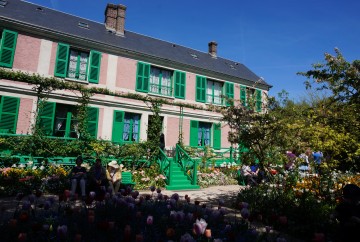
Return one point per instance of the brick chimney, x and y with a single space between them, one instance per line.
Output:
213 49
115 18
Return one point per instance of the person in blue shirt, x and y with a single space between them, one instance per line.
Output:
318 155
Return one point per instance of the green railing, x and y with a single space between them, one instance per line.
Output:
164 164
188 165
209 155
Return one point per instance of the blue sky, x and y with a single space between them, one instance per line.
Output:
275 39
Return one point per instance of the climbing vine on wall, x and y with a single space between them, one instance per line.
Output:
38 144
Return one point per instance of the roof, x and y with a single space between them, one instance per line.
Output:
49 19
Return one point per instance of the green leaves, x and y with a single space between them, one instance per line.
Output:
337 75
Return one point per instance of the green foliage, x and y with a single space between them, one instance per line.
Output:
29 178
147 177
303 212
216 177
257 134
337 75
45 85
154 127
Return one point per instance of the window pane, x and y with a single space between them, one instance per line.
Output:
154 80
209 92
126 131
217 92
72 64
83 64
135 127
166 83
204 134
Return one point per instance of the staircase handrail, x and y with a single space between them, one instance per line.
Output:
188 165
164 163
200 152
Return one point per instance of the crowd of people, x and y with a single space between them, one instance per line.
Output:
305 161
97 179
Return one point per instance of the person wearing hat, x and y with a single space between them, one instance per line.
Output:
114 175
78 176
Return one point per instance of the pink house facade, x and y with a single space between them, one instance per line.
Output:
108 56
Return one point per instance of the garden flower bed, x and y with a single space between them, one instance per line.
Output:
126 216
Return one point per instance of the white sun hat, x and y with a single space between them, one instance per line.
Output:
113 164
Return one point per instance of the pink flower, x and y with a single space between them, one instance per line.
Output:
150 220
92 194
199 226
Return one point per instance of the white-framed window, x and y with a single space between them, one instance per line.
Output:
160 81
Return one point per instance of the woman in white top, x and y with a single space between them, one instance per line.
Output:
114 176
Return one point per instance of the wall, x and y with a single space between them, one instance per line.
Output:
24 116
27 53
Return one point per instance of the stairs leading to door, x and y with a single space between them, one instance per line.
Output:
179 181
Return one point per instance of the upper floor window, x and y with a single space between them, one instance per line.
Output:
251 97
214 92
160 81
77 64
151 79
7 48
210 91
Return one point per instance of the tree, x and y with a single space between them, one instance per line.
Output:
337 75
259 133
340 111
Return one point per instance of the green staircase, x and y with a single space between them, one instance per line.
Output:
178 180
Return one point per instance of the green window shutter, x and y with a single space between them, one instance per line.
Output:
200 88
118 127
194 126
92 121
62 58
94 70
243 95
142 77
9 109
47 116
258 100
7 48
229 91
180 80
217 136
